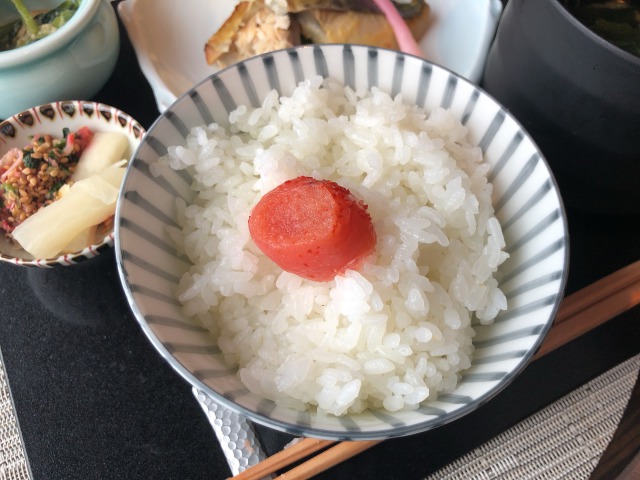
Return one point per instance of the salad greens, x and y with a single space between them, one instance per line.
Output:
31 27
617 21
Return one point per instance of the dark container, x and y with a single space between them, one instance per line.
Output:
578 96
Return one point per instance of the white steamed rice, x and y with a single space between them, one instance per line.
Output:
392 335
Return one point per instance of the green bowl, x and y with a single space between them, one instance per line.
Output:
73 62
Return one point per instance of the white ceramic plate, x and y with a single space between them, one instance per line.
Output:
169 38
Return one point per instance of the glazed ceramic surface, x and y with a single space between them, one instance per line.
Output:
169 38
73 62
526 201
579 98
51 118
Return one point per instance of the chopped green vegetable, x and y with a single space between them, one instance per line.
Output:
56 186
31 28
8 33
29 161
29 22
8 187
59 15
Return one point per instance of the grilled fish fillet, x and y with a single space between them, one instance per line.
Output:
251 29
331 26
260 26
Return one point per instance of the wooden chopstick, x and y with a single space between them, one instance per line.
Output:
598 291
592 306
579 313
297 451
335 455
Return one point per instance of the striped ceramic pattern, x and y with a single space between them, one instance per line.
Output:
526 200
51 118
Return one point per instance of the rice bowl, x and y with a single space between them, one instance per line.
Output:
159 209
391 335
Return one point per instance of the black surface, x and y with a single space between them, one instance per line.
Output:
95 400
577 95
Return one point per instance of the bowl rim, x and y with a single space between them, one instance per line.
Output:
318 431
54 41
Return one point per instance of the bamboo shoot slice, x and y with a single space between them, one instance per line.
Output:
89 202
83 239
105 149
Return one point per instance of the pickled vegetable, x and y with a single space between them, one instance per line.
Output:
105 149
89 202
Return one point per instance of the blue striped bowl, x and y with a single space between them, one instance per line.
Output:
526 200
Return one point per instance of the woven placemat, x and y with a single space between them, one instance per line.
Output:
564 440
13 460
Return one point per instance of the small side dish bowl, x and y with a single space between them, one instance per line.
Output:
73 62
525 199
52 118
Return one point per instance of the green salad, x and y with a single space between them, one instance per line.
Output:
617 21
32 26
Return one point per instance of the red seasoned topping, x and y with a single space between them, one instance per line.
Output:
313 228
